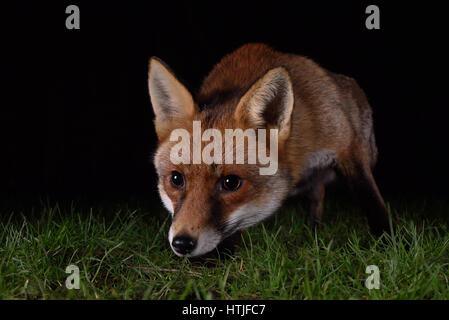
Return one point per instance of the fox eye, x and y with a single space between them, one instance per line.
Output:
232 182
177 180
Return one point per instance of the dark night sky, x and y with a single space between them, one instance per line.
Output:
75 115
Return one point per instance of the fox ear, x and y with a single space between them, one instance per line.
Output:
268 103
172 102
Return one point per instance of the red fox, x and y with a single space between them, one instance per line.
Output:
325 130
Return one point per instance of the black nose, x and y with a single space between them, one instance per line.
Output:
183 244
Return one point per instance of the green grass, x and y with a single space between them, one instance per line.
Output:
123 254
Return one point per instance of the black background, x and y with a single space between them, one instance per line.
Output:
75 116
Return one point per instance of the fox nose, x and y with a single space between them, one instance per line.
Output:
183 244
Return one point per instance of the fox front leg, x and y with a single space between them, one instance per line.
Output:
316 198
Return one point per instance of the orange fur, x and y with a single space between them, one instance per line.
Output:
328 130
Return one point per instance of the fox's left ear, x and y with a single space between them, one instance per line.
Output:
172 102
268 103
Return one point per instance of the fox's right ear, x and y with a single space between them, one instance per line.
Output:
172 102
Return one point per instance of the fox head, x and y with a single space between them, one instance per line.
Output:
209 202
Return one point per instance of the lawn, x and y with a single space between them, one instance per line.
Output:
122 253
